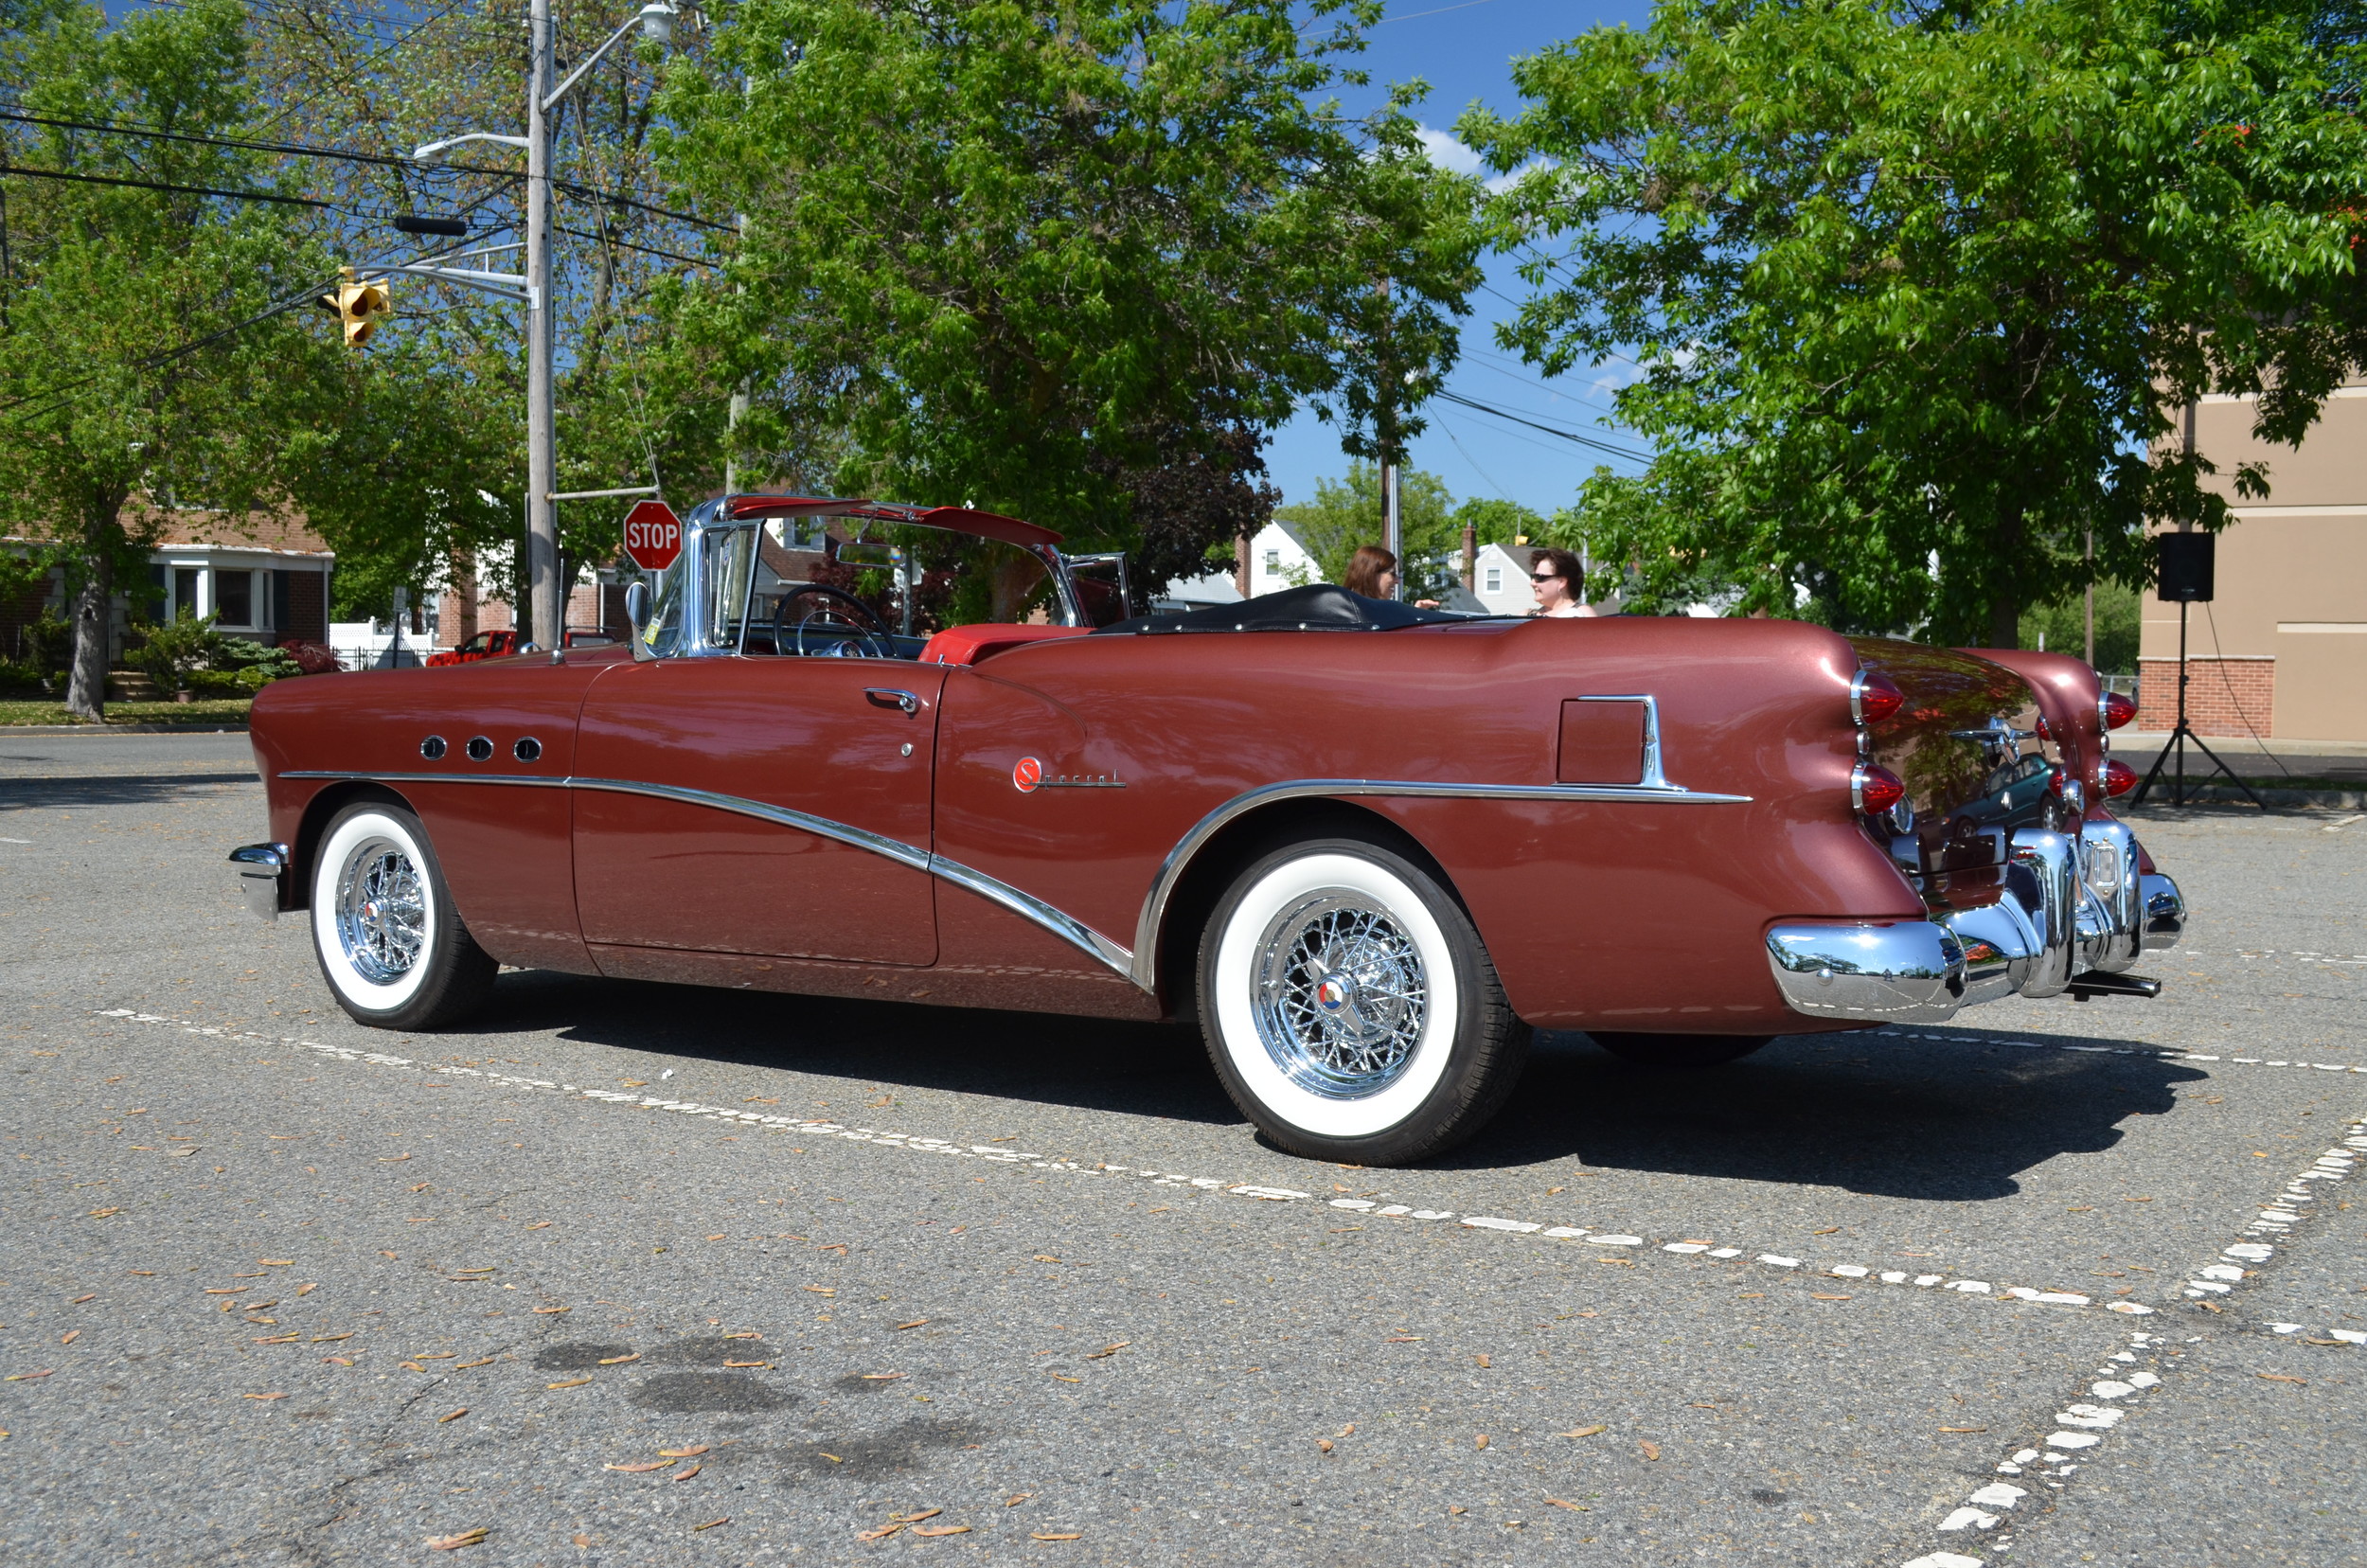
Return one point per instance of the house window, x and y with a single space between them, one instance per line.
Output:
185 591
234 597
1495 580
1273 563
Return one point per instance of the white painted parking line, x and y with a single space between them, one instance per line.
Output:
2082 1426
2282 1214
2153 1053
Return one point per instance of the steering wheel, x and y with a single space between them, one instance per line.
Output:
819 604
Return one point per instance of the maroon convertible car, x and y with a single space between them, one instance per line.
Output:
1368 847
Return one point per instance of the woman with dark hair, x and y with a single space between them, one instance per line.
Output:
1558 578
1374 573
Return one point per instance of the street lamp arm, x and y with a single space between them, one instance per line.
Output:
656 19
432 149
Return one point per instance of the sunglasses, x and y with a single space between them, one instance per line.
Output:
1546 576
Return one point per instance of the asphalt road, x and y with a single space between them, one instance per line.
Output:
275 1289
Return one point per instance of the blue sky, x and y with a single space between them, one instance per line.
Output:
1465 53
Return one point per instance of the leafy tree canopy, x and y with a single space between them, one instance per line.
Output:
1917 282
1033 258
1347 513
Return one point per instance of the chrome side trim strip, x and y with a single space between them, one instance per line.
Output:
1171 869
1026 905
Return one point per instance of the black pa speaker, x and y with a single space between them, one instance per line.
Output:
2185 564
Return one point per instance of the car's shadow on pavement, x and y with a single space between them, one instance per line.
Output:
111 789
1089 1064
1923 1119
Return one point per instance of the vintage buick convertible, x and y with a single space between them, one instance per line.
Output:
1368 847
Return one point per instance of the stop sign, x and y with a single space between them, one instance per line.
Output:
652 535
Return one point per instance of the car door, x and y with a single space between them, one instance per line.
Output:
769 805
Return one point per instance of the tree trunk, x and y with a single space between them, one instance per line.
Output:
2005 620
86 685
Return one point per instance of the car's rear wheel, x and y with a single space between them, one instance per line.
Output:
389 941
1350 1007
1676 1052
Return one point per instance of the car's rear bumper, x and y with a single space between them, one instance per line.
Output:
2060 908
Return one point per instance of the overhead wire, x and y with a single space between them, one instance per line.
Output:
1477 406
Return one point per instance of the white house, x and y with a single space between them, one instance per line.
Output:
1278 559
1499 579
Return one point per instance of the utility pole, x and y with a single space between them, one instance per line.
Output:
1392 529
545 613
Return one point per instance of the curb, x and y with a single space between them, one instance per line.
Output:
2224 794
193 727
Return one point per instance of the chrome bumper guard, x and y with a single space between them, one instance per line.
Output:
2069 907
262 871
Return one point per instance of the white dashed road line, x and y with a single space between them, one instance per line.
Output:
2152 1053
2082 1427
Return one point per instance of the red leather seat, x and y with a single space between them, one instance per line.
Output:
968 644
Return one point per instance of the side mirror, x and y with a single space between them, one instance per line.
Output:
637 604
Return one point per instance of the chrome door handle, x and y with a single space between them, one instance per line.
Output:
890 698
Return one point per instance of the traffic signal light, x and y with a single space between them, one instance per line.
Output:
358 305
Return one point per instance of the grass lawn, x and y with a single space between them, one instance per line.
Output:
212 711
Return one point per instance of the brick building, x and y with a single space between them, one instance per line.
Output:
265 577
2281 651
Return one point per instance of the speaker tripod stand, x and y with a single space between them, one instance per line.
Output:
2180 736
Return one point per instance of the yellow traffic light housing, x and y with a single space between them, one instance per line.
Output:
358 305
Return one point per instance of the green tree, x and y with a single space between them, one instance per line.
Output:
1494 521
2062 627
132 378
1040 260
1347 513
1930 283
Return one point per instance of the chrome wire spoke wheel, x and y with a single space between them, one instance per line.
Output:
1342 994
381 911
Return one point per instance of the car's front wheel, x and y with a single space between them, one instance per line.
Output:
389 940
1350 1007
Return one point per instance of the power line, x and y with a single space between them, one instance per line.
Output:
158 185
1477 406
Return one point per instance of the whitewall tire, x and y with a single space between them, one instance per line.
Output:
1350 1007
391 943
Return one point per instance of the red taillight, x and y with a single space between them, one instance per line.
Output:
1875 790
2116 710
2044 733
1873 698
2119 778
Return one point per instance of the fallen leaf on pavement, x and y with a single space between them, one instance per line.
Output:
28 1376
715 1238
747 1363
104 1213
881 1534
1046 1258
573 1383
547 1310
463 1366
2279 1377
1016 1499
1108 1350
1484 1362
710 1524
1480 1441
1827 1295
1072 1536
1827 1230
882 1377
685 1472
69 1336
1062 1377
685 1453
819 1289
1323 1443
582 1541
916 1517
454 1416
1964 1429
831 1457
1458 1509
743 1333
338 1361
1577 1507
453 1543
280 1339
276 1262
225 1289
619 1361
941 1530
542 1226
79 1299
392 1159
1582 1432
262 1396
637 1469
1404 1339
1652 1451
308 1289
1345 1430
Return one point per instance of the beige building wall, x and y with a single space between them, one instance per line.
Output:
2282 649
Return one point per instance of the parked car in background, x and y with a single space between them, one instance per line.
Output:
1287 819
485 645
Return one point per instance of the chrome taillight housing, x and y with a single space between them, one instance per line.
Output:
1873 789
1874 697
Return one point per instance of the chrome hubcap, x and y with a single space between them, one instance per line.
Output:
381 912
1340 995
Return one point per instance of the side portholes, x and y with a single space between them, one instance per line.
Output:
317 812
1220 860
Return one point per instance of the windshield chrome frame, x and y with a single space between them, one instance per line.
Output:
708 526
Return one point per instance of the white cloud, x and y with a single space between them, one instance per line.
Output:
1447 151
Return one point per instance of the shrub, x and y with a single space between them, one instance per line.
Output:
21 679
311 658
173 652
254 664
47 647
220 683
